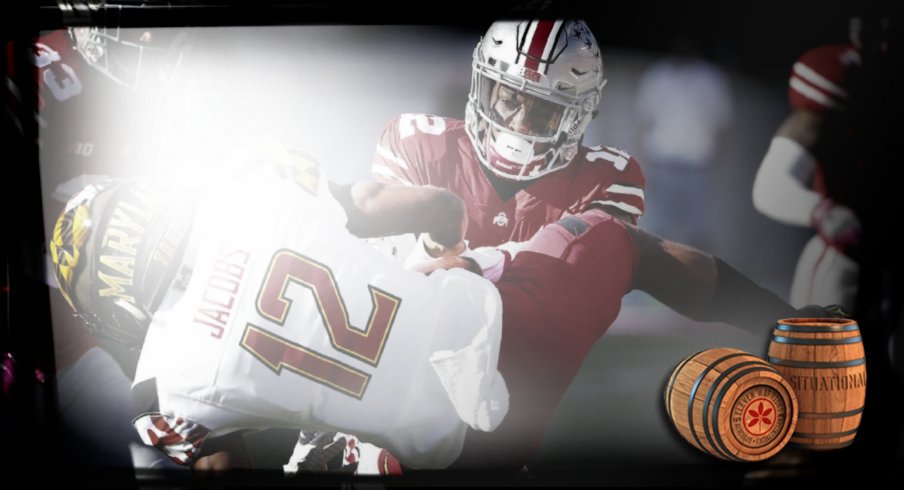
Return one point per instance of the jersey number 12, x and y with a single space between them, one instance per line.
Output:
363 344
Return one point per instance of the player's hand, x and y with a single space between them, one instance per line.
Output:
428 255
817 311
324 454
838 225
434 249
447 232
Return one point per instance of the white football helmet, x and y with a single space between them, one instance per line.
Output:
534 88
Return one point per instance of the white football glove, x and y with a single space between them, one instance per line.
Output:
319 452
336 452
837 224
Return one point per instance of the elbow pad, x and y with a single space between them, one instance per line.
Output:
781 187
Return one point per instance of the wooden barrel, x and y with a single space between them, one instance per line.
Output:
823 360
731 404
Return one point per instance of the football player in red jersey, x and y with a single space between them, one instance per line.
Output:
833 167
519 162
812 174
518 158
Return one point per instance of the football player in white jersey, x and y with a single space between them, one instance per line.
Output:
257 308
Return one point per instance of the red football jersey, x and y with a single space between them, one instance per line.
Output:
58 68
421 149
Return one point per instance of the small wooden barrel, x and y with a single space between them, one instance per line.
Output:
731 404
823 360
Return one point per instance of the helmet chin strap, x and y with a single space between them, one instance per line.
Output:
137 317
138 313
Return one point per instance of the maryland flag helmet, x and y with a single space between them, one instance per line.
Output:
116 249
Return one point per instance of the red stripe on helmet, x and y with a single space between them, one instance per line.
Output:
538 44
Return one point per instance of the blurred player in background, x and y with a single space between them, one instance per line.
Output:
684 108
814 172
833 166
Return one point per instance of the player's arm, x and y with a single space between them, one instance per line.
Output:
781 189
817 92
380 209
706 288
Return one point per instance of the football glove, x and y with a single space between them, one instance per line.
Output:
335 452
837 225
319 452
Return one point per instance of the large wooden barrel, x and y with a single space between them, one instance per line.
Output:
823 360
731 404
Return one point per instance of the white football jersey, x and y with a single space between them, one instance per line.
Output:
290 321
